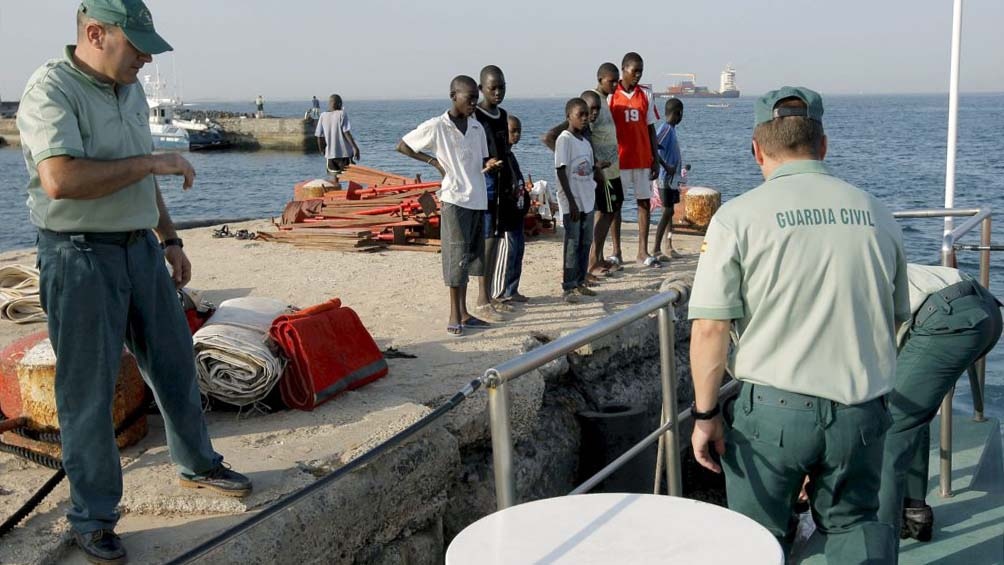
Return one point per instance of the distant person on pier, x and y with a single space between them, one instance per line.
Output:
315 107
105 245
498 182
259 104
455 144
634 114
513 206
334 137
668 155
609 193
955 322
812 273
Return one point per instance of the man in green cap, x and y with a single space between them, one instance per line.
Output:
812 273
104 234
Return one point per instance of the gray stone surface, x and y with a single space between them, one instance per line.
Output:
411 500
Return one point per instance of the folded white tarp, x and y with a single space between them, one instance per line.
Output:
236 361
19 301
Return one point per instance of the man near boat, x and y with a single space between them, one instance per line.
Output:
334 137
815 308
99 214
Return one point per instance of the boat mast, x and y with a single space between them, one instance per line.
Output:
953 112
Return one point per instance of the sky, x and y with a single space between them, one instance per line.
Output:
381 49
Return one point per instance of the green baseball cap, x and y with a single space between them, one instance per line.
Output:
764 110
135 20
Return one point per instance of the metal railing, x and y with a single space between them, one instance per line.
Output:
497 380
976 217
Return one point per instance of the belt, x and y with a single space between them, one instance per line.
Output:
938 301
778 398
121 238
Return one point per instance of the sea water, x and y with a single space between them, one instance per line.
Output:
893 146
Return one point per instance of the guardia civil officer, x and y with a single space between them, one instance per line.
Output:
955 322
811 271
103 237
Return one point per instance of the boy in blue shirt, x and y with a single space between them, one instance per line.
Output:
669 161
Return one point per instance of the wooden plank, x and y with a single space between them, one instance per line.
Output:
423 248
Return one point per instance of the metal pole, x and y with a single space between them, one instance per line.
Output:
501 430
945 448
659 459
667 365
953 111
981 365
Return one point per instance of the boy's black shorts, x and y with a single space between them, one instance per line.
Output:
669 195
610 197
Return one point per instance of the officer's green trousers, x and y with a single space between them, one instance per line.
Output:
938 349
777 438
101 291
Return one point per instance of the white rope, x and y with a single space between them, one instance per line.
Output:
19 301
236 361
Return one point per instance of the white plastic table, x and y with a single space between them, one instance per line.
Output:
594 529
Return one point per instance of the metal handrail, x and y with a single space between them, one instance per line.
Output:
496 380
977 217
218 541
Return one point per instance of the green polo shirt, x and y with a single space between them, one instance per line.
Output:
65 111
813 272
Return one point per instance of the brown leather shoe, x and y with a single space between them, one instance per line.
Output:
222 480
102 547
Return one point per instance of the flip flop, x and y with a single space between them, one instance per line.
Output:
475 323
652 262
614 263
455 330
662 258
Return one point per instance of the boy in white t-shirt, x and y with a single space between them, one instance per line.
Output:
455 144
573 161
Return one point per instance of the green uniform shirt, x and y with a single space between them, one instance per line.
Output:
924 281
65 111
812 269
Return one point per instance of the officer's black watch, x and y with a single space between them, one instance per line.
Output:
704 415
172 241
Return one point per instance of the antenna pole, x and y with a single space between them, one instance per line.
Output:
953 112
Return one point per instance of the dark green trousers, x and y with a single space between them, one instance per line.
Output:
777 438
941 344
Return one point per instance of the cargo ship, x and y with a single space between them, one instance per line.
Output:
689 88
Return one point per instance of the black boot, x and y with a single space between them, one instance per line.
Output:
918 523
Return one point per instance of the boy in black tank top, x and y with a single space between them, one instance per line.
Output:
496 123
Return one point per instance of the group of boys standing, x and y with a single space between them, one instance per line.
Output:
608 145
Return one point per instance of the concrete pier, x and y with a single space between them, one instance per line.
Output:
8 133
406 505
278 134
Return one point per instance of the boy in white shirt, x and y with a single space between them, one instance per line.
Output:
459 151
574 164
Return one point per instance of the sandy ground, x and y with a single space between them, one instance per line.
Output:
400 298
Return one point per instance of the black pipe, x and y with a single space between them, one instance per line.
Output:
224 536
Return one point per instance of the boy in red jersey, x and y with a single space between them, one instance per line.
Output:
634 117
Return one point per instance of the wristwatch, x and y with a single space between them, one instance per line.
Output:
698 415
171 241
